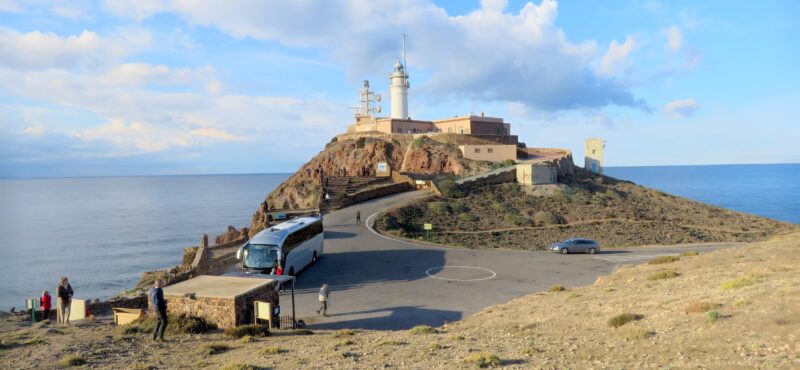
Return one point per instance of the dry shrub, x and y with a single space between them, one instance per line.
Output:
700 307
252 330
741 282
240 367
270 351
663 259
344 333
556 288
484 359
209 349
638 333
690 253
623 319
422 329
393 342
665 274
70 361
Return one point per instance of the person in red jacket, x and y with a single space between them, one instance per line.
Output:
46 302
279 270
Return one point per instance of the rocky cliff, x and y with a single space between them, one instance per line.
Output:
357 155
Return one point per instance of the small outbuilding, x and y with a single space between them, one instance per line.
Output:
536 174
223 300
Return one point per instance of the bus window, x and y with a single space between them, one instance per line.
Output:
261 256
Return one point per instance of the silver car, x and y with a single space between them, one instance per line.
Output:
576 245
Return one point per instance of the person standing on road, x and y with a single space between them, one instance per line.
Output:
358 217
160 304
64 300
323 300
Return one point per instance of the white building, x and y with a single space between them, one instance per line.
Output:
399 91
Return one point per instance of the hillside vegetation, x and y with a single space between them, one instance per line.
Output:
614 212
733 308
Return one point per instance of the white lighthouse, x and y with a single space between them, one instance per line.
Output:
399 87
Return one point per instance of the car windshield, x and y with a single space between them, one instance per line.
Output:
261 256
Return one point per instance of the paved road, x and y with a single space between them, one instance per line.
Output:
382 283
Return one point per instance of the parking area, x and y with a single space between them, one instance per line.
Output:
381 283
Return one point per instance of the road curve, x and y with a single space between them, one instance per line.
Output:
382 283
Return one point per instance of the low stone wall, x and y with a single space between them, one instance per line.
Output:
509 175
104 307
377 192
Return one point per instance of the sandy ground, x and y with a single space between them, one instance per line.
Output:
755 289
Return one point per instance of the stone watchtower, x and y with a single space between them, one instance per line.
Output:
593 153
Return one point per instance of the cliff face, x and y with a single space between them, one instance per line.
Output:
354 155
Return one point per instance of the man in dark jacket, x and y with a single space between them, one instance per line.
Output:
160 305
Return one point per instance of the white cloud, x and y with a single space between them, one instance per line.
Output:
142 73
674 38
34 130
488 54
682 108
34 50
138 9
616 58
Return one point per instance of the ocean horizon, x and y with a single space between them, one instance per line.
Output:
104 231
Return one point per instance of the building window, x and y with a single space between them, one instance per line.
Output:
489 150
593 151
477 150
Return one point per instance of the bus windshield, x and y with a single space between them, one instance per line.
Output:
261 256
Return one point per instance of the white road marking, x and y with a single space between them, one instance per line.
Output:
441 268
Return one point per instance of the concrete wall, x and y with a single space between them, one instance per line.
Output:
398 126
376 192
489 152
534 174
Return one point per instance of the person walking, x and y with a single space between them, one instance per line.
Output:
323 300
65 293
160 305
327 198
46 302
358 217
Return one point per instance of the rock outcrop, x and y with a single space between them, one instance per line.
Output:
357 155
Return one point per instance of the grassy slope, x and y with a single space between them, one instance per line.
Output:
756 286
617 213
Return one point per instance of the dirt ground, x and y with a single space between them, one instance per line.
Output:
614 212
736 308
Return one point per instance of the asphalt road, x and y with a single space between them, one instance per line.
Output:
382 283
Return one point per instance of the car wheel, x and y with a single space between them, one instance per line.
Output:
592 251
564 251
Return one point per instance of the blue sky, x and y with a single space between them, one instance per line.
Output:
95 88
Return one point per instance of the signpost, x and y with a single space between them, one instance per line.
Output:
428 228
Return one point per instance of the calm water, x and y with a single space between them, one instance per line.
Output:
104 232
769 190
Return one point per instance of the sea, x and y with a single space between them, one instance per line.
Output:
103 232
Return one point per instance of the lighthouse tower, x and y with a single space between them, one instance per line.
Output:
399 87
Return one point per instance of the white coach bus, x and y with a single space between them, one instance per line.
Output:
293 245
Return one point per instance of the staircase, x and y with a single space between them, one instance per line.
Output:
338 188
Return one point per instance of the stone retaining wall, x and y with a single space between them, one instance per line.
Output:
224 312
377 192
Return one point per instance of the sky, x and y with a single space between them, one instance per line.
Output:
155 87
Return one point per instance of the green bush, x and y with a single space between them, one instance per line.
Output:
508 162
271 351
500 207
623 319
252 330
545 218
598 201
557 288
360 142
517 220
509 187
459 208
713 316
450 189
483 360
741 282
467 217
240 367
335 139
188 256
418 142
439 208
70 361
388 222
562 196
